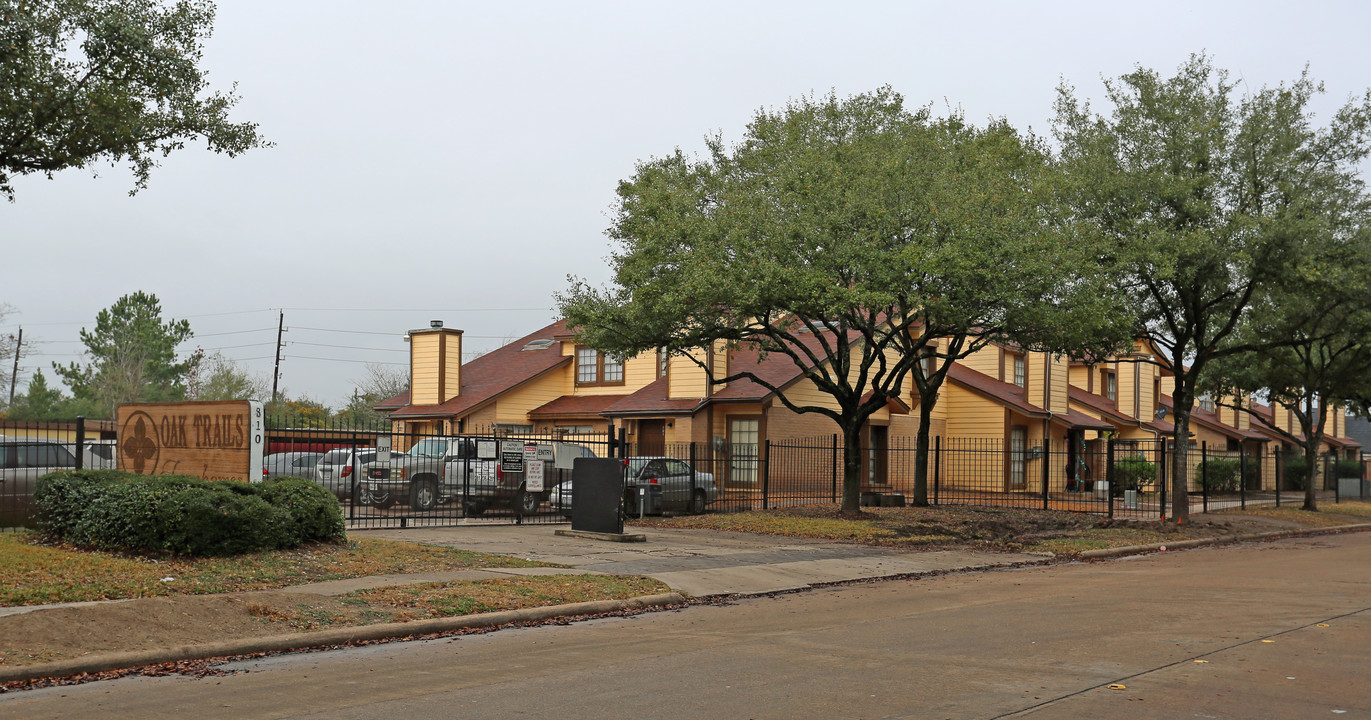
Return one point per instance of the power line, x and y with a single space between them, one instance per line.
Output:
230 347
347 347
231 332
365 362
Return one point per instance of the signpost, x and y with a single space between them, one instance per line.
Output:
511 456
211 440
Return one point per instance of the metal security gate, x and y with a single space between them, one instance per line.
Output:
387 479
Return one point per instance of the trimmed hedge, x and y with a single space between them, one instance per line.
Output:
1222 473
183 515
1132 472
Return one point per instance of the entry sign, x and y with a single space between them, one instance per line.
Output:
533 477
511 456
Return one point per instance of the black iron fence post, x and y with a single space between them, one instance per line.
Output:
1109 476
937 466
1279 476
833 470
356 481
1204 473
1162 466
694 481
1047 467
766 472
1242 476
81 443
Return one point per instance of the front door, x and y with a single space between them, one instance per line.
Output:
651 437
1018 457
876 454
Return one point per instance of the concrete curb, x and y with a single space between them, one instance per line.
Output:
1201 542
324 638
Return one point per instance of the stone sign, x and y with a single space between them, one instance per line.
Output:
212 440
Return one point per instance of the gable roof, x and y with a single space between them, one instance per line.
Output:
495 373
1011 395
1210 419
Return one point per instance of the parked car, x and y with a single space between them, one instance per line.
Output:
682 488
294 464
22 461
338 471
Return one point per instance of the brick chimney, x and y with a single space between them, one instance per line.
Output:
435 364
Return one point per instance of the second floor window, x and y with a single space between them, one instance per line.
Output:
1111 386
1207 402
1019 371
595 368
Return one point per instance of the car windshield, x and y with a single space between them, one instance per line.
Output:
635 465
429 448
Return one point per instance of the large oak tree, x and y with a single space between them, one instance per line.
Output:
1206 196
864 242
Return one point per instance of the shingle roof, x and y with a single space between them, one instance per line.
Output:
1210 419
652 400
496 372
576 405
1013 396
1098 403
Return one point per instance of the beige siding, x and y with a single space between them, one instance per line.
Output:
1080 376
986 360
1061 377
452 383
971 416
685 379
423 368
514 406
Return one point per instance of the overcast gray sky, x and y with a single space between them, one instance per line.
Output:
455 160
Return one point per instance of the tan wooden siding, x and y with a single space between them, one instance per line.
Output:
971 416
986 360
424 369
513 406
685 379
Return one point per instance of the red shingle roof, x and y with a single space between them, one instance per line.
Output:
652 400
576 405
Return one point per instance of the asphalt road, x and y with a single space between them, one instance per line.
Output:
1283 630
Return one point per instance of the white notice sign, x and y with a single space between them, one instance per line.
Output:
533 477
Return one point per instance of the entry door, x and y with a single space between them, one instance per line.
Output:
876 454
1018 456
651 437
742 456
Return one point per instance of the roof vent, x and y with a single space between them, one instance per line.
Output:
435 324
539 344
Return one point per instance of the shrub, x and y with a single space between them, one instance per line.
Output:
1348 468
1295 474
183 515
1221 474
1132 473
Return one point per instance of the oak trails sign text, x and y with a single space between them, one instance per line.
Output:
212 440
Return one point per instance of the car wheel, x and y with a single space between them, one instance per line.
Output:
383 500
698 501
423 495
527 503
475 509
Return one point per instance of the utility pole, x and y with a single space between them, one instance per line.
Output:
276 372
14 376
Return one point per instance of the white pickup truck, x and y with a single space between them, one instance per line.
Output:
463 469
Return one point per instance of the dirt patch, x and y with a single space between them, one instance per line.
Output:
155 623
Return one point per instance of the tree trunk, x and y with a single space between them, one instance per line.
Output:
1180 458
921 450
852 470
1311 456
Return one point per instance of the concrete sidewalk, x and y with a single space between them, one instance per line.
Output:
702 563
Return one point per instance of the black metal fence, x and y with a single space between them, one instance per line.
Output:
392 479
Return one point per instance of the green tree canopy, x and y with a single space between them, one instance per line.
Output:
846 235
85 80
132 356
1204 199
1322 307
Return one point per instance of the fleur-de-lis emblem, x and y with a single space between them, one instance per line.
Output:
140 447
